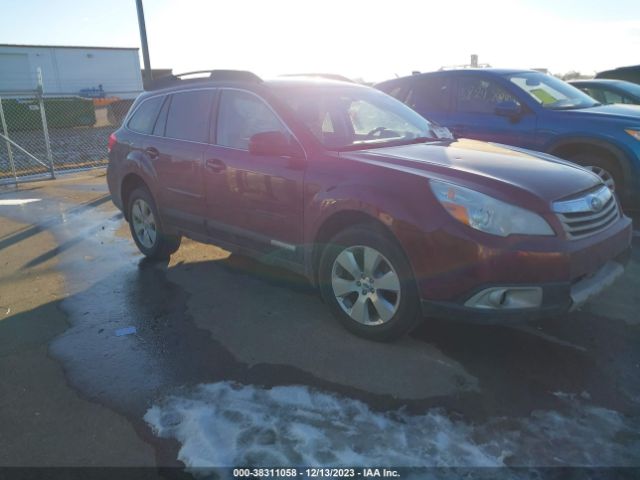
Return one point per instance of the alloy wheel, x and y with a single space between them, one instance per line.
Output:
366 285
144 223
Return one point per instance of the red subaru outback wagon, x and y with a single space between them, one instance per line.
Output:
391 217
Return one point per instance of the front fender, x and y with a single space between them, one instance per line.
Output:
389 207
403 207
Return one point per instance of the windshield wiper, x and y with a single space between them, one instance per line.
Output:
424 139
389 143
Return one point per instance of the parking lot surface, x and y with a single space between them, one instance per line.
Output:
108 359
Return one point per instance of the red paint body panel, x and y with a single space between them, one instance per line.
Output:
285 201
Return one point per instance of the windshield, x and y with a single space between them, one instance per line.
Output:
349 117
551 92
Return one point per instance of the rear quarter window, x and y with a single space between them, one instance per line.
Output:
144 117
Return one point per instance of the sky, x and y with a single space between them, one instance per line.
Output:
373 40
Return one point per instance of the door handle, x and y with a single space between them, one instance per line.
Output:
215 165
152 152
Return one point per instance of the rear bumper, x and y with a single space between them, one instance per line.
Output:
112 183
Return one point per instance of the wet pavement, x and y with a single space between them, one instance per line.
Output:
71 278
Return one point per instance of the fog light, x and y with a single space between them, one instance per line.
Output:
499 298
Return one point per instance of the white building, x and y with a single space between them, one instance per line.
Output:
68 70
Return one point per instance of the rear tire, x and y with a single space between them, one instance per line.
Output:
146 230
368 284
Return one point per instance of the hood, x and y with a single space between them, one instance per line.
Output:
615 111
487 164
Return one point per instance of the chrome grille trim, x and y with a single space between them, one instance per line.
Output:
581 217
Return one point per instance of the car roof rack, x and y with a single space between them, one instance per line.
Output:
479 66
327 76
214 76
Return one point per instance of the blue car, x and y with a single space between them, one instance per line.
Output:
535 111
607 91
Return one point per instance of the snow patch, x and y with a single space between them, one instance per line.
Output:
10 202
227 424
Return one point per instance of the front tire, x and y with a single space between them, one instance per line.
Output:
146 230
368 283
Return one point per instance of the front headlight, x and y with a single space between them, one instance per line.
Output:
486 213
634 133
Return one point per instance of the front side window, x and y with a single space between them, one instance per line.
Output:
144 118
241 115
551 92
190 115
478 95
351 117
614 97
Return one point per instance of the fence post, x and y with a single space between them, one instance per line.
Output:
9 151
45 129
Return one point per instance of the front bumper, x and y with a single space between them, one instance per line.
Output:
556 281
557 298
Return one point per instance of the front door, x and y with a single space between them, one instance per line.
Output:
254 200
474 114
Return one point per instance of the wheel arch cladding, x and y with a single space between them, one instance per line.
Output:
130 182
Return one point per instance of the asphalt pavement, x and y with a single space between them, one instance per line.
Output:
75 383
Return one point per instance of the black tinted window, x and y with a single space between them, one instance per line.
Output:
242 115
189 115
477 95
595 92
397 91
145 115
430 94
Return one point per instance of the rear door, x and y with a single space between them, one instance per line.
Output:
430 96
473 115
180 140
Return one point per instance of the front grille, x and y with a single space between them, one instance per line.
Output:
588 214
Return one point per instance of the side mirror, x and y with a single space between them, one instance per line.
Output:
275 144
508 108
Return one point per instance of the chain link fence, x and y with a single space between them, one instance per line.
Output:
42 134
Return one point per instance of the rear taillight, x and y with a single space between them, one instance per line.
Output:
112 141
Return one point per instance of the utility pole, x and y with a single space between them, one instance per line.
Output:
148 77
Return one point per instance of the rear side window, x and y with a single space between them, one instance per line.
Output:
478 95
431 94
190 115
144 118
